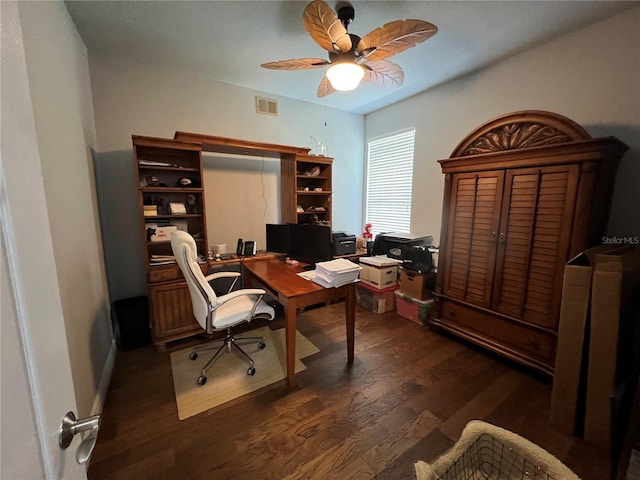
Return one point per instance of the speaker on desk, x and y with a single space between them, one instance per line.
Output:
132 315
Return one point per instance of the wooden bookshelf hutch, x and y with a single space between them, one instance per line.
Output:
306 189
160 164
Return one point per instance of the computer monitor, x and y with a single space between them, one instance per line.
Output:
277 238
309 243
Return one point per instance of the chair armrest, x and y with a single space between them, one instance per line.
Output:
215 276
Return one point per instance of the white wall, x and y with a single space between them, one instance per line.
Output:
130 98
58 72
591 76
243 194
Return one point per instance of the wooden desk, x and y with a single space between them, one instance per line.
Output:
293 292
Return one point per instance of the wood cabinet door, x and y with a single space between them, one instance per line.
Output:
171 313
535 230
474 218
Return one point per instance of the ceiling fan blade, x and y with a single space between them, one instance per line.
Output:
395 37
325 28
325 88
383 72
296 64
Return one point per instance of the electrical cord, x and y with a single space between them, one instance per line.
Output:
264 213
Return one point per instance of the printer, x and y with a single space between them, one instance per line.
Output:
343 244
413 249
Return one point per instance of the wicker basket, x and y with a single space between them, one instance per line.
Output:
486 452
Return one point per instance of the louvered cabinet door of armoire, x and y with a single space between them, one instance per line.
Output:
535 233
473 224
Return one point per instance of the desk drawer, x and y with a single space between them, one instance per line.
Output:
528 341
168 273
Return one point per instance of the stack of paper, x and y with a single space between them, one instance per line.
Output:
336 273
162 259
151 163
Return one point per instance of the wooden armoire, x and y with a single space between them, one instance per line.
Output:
524 193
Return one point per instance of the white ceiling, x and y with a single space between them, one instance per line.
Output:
228 40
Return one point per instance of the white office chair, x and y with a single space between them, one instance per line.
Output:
215 313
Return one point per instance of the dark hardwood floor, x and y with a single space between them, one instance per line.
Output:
407 397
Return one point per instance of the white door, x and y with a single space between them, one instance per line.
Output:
38 354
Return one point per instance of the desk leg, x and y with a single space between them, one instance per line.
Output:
350 317
291 313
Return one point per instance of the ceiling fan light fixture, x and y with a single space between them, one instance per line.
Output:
345 76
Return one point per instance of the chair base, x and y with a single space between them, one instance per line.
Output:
230 343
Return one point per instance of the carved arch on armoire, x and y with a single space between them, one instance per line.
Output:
524 129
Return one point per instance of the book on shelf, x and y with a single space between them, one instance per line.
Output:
150 210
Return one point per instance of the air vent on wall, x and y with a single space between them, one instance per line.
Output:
266 106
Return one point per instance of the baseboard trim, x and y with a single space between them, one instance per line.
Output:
105 379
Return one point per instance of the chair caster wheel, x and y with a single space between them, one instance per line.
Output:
251 371
261 345
193 356
202 380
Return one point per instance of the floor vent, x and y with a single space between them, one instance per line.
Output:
266 106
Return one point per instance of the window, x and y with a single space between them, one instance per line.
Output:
389 180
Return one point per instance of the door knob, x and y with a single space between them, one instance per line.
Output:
70 426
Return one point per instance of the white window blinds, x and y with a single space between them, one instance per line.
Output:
389 180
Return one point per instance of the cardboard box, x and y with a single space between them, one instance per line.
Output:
379 272
414 284
374 299
413 309
162 233
614 297
569 380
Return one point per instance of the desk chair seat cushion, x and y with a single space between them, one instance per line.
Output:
235 311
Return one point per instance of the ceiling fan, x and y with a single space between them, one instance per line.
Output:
351 58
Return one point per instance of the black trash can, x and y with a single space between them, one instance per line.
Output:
132 315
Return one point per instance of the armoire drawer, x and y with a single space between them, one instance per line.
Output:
529 341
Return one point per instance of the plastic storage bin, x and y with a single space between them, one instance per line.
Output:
413 309
374 299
